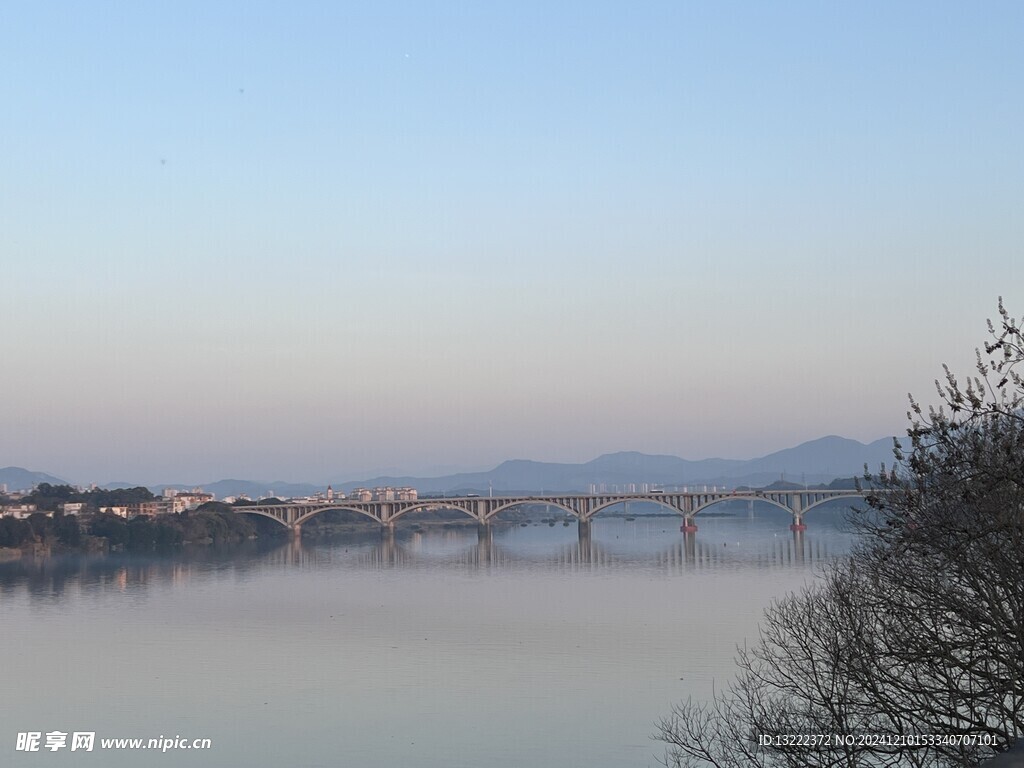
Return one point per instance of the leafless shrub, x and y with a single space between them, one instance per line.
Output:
921 631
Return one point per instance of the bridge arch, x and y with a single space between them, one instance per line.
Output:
659 502
314 512
261 513
723 499
820 502
524 502
428 504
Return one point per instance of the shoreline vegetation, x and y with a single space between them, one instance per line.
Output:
40 534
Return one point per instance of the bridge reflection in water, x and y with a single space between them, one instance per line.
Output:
501 547
608 544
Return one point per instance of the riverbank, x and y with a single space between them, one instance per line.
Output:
41 534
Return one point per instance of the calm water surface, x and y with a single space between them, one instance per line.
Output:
444 647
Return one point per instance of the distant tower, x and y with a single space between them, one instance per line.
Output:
330 493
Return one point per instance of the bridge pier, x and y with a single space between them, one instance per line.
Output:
295 531
585 534
295 543
484 544
798 513
585 544
689 548
798 543
688 526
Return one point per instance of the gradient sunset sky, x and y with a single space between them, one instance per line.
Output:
308 241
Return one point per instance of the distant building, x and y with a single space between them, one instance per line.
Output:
194 498
72 507
384 494
150 508
18 511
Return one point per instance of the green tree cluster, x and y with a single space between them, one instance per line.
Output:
210 523
49 498
14 532
213 522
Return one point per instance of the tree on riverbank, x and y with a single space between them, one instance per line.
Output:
920 633
212 523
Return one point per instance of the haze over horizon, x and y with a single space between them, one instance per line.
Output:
249 240
435 471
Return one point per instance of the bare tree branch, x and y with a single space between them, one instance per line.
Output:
921 630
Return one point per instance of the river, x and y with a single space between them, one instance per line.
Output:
440 647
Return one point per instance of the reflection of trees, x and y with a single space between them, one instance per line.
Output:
55 577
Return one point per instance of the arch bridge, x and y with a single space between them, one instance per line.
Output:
581 506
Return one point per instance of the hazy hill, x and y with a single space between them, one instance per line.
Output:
832 455
18 479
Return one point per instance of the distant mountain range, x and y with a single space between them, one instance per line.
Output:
817 461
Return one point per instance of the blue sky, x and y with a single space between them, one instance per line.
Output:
315 240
